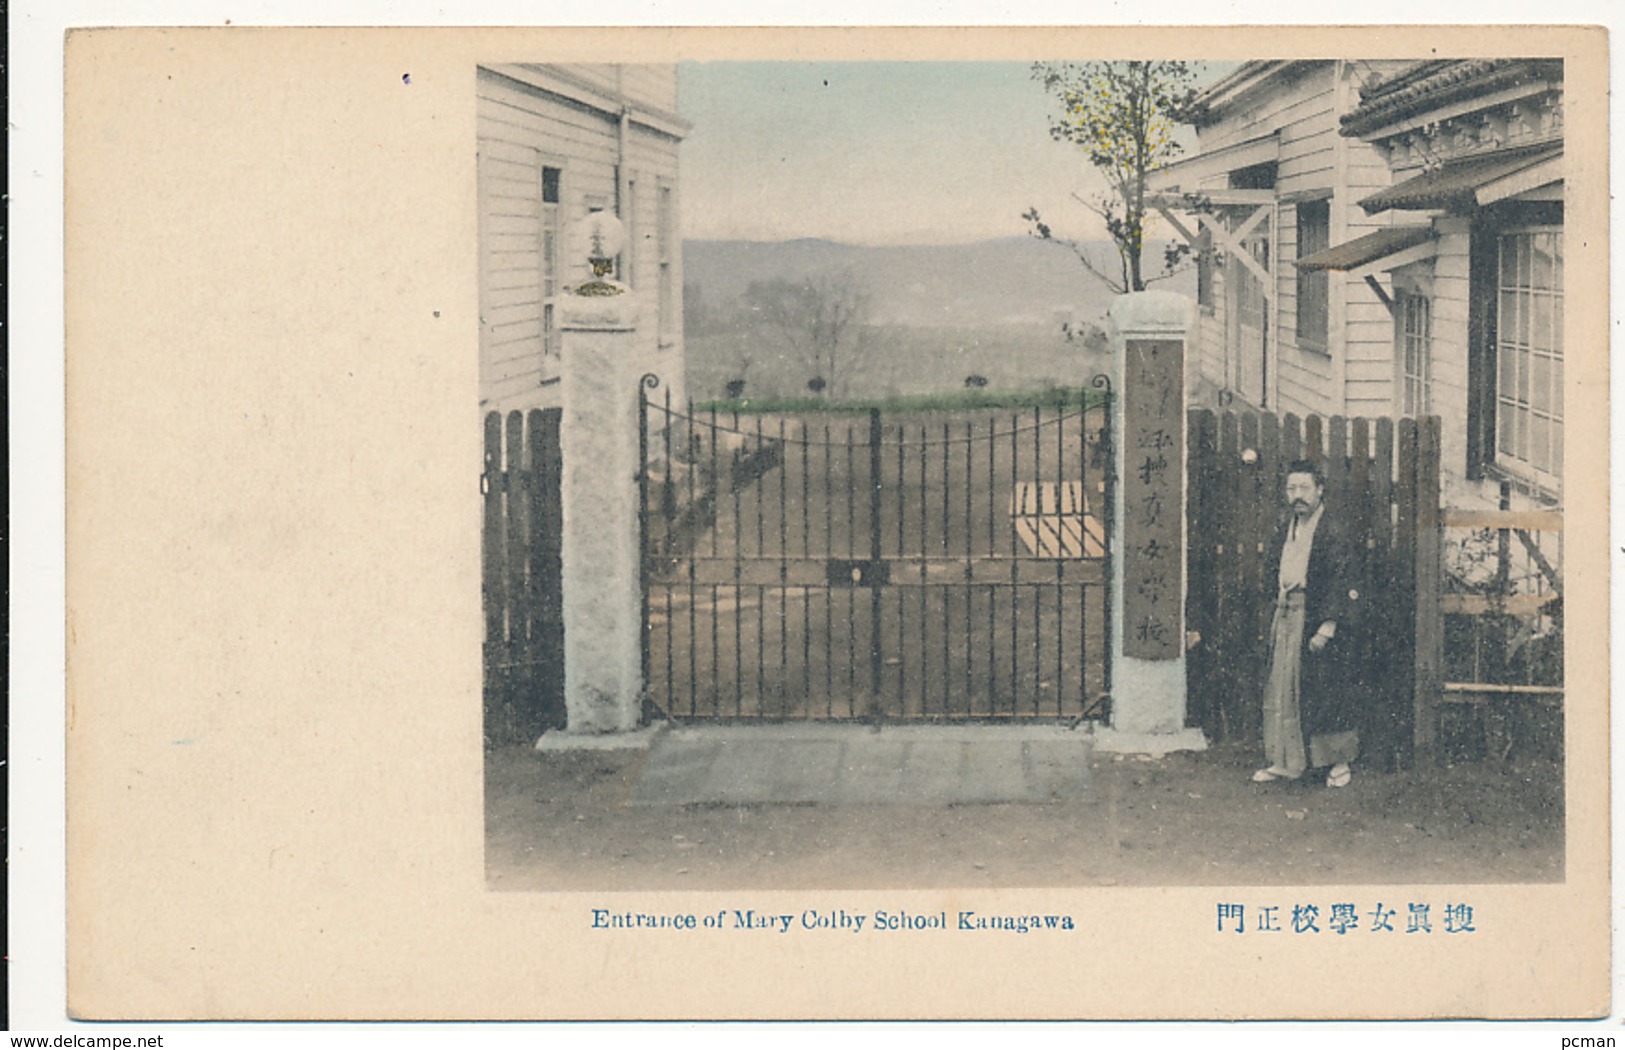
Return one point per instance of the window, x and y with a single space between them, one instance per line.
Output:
1529 355
1314 235
666 232
629 218
1414 318
551 221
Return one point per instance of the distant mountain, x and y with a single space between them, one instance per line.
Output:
1008 281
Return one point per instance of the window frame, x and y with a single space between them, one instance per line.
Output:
667 302
1513 454
1313 285
1412 305
551 231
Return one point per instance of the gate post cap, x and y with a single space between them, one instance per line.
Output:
1151 314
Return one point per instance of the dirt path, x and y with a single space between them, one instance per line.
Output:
559 821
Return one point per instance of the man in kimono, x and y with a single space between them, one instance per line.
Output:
1311 695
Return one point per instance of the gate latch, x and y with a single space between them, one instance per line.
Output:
843 572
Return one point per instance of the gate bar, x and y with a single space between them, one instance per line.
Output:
874 558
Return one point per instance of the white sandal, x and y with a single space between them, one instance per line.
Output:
1340 776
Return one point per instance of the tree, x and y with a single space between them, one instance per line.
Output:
1123 116
821 316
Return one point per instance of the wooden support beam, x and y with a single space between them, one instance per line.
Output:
1485 604
1533 520
1168 216
1216 198
1230 241
1546 568
1506 690
1382 293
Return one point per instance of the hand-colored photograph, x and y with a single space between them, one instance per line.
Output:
997 473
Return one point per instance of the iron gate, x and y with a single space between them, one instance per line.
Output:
919 566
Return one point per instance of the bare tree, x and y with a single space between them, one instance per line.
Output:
821 316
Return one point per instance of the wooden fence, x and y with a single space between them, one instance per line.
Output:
524 623
1382 479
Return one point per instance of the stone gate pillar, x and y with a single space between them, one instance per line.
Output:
1149 332
598 442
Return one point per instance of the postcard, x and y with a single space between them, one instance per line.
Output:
1044 523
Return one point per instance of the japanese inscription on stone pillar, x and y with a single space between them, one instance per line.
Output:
1153 494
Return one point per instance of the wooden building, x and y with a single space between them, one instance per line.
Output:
555 143
1384 238
1273 181
1472 268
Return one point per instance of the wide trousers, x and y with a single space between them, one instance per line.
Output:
1284 745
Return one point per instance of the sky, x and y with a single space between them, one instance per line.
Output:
876 152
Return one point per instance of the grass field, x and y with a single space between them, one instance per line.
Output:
953 401
891 362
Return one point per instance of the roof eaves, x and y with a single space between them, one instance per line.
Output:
1227 91
1440 85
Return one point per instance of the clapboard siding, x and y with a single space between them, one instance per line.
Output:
522 129
510 179
1292 393
1365 309
1371 370
1269 106
1450 350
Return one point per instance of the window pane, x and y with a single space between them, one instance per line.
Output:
1508 323
1509 261
1525 259
1540 335
1557 261
1540 383
1503 428
1523 319
1557 447
1539 441
1540 250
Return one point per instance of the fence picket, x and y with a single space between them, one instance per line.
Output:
1429 620
491 540
1201 561
520 567
1402 638
1337 463
1256 511
1386 494
517 538
1230 650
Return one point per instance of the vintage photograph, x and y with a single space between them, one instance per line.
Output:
1022 473
868 523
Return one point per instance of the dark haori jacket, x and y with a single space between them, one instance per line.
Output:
1331 695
